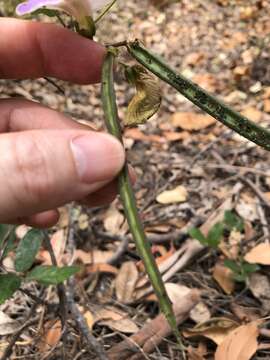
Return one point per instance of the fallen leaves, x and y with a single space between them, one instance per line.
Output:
7 324
224 278
192 121
215 329
260 254
177 195
240 344
125 282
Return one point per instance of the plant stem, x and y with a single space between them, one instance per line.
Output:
200 97
129 202
104 12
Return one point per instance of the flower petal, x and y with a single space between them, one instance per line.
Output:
99 4
31 5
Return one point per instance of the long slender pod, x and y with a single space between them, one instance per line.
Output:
200 97
128 198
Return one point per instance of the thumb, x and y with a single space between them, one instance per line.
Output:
44 169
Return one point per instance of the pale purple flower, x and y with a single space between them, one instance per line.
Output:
81 10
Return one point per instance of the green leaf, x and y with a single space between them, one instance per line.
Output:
52 275
215 234
240 277
9 283
250 268
233 221
196 233
232 265
28 249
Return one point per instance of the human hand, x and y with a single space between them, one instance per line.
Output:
48 160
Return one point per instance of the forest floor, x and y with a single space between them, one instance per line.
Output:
224 46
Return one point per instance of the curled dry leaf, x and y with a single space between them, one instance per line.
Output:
125 282
240 344
147 100
177 195
192 121
216 329
260 254
223 277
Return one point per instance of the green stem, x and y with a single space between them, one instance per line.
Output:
200 97
129 202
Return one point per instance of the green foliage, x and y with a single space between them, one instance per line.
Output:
25 256
52 275
230 222
241 270
28 249
213 237
9 283
233 222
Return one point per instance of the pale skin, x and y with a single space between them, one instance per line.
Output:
47 159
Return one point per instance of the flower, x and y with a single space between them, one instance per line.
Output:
81 10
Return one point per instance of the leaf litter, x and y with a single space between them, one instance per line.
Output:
179 147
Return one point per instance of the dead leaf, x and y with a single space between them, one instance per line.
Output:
51 336
240 344
7 324
113 220
259 285
260 254
58 242
266 105
252 113
216 329
89 318
83 222
125 282
192 121
223 277
94 257
100 268
200 313
116 319
177 195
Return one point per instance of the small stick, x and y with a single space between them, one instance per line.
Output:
61 287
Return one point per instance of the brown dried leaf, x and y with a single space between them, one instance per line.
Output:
94 257
125 282
52 335
223 277
116 319
177 195
113 220
240 344
216 329
260 254
192 121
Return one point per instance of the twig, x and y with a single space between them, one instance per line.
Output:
60 287
52 82
91 342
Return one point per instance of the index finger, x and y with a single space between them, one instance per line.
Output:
31 50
